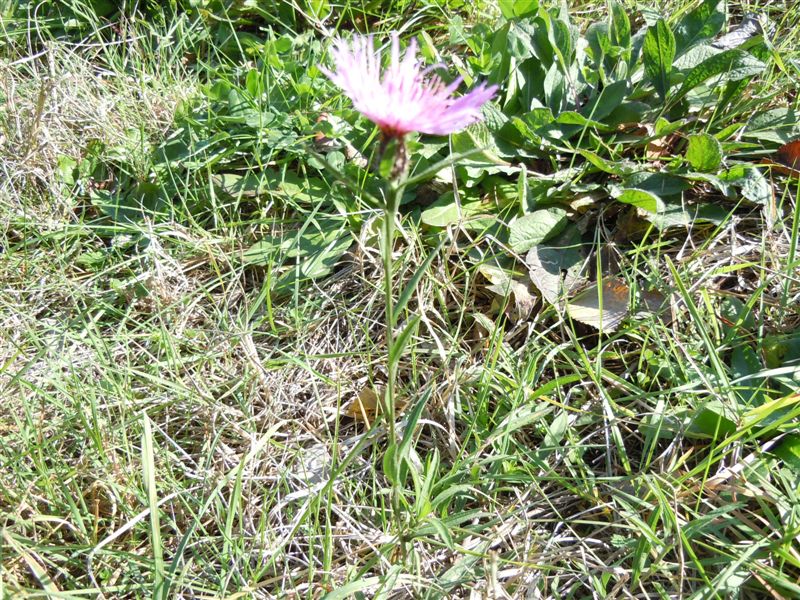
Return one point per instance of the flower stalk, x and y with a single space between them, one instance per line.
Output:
400 99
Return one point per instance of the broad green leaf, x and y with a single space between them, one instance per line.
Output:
314 265
519 41
675 214
529 123
620 27
779 125
704 152
628 112
484 157
614 168
313 253
745 362
556 430
571 117
543 46
660 184
789 451
512 9
266 250
659 52
143 200
599 42
756 188
715 420
536 227
607 101
639 198
555 88
67 169
733 65
320 9
286 185
445 211
561 41
693 57
703 23
750 181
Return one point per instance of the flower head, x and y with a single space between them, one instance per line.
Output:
404 100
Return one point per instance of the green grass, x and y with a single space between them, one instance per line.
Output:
190 305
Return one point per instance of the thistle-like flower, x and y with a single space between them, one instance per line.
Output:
404 100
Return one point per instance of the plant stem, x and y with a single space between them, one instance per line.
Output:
394 191
388 239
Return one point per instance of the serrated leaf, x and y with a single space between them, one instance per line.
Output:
704 152
659 52
535 228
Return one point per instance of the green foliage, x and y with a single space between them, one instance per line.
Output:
658 54
704 152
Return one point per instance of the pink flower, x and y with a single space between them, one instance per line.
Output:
404 100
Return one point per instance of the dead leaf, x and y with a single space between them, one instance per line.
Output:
786 160
638 129
630 226
661 147
504 286
789 159
789 154
585 307
313 466
366 407
523 301
581 203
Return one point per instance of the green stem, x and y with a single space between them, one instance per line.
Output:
394 191
388 239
